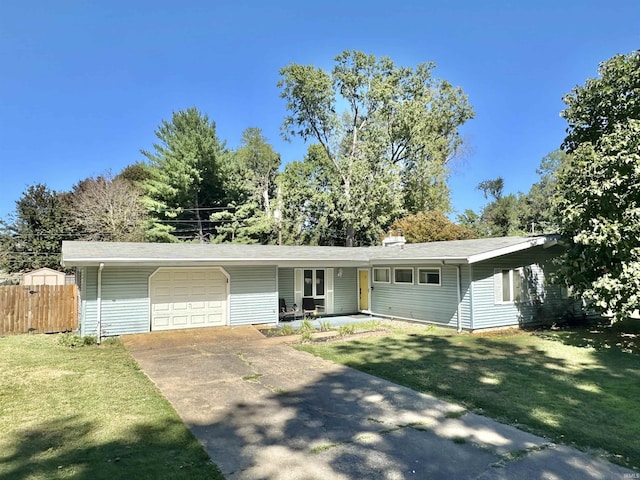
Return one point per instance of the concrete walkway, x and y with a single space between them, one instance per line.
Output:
265 411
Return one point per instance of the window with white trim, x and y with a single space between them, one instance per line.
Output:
429 276
507 285
381 275
313 282
403 276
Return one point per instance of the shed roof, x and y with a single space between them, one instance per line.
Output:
43 270
80 253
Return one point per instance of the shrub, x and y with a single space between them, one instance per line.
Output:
73 340
346 330
305 335
306 326
325 325
286 330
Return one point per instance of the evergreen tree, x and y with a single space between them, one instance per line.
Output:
184 184
250 183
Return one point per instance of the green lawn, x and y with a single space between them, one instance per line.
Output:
577 386
88 413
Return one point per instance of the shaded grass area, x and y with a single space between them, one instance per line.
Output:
88 413
552 383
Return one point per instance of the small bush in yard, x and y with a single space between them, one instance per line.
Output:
346 330
306 326
286 330
73 340
305 336
325 325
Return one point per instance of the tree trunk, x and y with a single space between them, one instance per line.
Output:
267 203
350 235
200 232
350 229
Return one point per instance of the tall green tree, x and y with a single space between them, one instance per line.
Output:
184 183
598 194
32 237
492 188
388 147
250 183
540 216
504 215
597 107
309 214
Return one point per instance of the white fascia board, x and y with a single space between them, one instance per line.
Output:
322 263
518 247
419 261
552 242
191 262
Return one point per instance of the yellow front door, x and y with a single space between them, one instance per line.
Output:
363 277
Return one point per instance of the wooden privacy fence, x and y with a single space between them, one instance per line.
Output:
38 309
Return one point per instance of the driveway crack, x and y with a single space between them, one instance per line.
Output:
256 375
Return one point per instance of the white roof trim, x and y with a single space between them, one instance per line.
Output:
418 261
459 253
281 262
526 244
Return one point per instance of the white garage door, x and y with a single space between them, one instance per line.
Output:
188 298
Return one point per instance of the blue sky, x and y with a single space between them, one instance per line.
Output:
84 84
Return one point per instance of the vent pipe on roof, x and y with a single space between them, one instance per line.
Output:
394 240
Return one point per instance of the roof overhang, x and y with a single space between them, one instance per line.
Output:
300 257
199 262
525 245
418 261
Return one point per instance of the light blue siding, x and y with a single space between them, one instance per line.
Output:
428 303
254 294
345 290
286 286
541 301
465 296
125 298
88 294
125 301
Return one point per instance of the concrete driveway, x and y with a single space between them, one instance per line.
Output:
265 411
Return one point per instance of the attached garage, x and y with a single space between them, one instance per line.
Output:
188 298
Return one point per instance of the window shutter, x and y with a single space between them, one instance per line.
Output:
298 286
517 285
497 286
328 301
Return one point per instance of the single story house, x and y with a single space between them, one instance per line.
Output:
467 284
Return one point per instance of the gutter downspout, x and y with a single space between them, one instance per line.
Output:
459 292
99 304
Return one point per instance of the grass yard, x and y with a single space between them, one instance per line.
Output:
578 386
88 413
